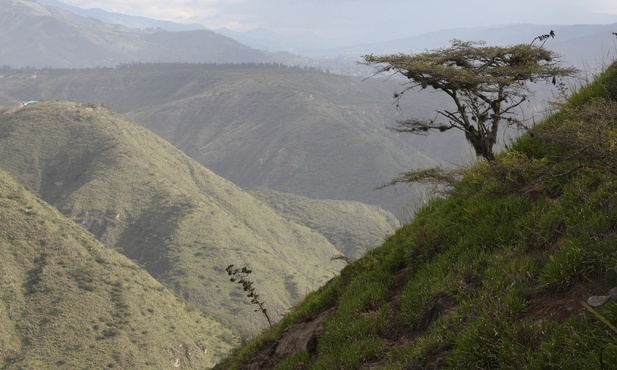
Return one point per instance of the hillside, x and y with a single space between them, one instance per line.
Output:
293 130
152 203
495 275
67 301
353 228
42 35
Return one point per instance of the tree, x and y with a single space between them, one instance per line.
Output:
486 83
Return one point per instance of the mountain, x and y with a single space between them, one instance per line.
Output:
500 273
589 47
353 228
294 130
265 39
67 301
41 35
580 45
149 201
126 20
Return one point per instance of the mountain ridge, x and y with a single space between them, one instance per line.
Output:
68 301
146 199
124 19
263 125
41 35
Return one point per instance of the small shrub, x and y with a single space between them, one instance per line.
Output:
241 277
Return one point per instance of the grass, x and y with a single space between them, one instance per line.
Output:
493 275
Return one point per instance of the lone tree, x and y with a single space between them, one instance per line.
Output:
486 84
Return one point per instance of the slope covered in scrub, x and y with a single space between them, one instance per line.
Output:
178 220
352 227
67 301
494 275
289 129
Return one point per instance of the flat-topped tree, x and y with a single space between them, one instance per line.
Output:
486 84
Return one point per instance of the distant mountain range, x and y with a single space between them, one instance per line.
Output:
51 33
129 21
42 35
580 45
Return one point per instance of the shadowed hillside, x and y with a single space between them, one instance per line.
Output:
67 301
495 275
152 203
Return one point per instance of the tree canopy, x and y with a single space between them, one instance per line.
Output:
486 83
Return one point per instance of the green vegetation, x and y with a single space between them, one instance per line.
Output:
495 275
67 301
288 129
353 228
149 201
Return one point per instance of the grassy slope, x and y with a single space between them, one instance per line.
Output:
67 301
181 222
494 276
352 227
293 130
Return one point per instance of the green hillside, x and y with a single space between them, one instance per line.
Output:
293 130
152 203
495 275
68 302
353 228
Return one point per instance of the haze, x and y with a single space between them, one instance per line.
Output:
349 22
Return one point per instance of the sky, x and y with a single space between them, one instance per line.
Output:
365 20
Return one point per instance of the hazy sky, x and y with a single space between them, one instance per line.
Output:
373 20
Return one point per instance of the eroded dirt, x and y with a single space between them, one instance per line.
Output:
297 337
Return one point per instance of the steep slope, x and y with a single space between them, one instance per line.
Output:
293 130
496 275
67 301
353 228
152 203
41 35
